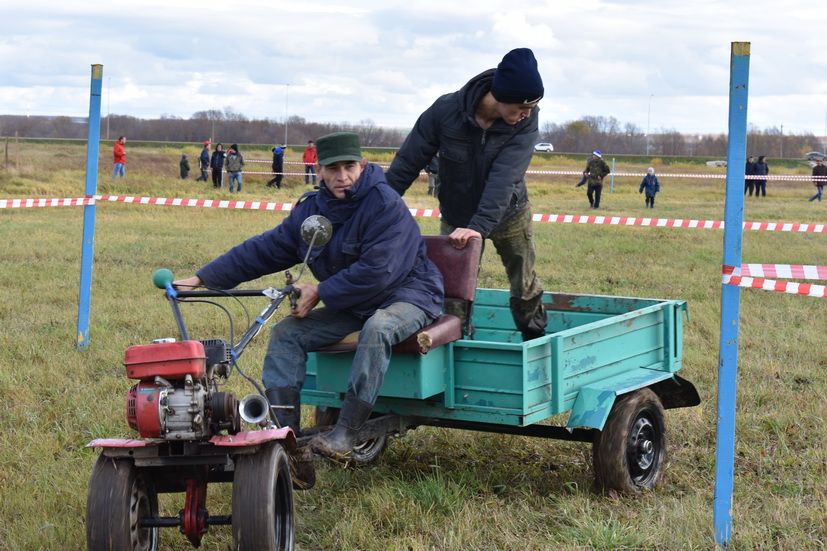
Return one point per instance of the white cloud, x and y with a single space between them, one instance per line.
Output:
387 61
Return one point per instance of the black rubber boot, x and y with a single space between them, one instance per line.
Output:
338 443
288 407
529 316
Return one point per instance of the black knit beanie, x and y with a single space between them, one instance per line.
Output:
517 79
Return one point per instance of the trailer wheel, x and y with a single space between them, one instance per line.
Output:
364 453
119 497
629 454
263 500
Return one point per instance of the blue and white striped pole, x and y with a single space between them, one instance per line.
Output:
731 294
88 244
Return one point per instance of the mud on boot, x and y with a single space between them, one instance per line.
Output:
338 443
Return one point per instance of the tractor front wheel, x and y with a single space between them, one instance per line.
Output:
263 500
119 498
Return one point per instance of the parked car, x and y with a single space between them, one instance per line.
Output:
544 147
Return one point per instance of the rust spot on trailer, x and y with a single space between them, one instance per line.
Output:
561 301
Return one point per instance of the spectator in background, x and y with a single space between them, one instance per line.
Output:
485 135
278 166
234 163
120 158
651 186
184 165
596 170
204 162
217 165
749 170
819 179
309 158
761 169
432 168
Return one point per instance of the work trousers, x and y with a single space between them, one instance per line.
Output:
285 363
593 192
514 241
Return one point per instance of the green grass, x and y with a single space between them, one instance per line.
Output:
433 488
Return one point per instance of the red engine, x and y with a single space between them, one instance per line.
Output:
176 398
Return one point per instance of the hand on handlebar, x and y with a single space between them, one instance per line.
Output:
307 300
188 283
460 236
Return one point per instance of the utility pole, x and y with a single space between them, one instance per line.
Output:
286 109
108 99
782 141
648 119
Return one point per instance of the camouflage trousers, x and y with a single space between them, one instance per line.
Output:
514 242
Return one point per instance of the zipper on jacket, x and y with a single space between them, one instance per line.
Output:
483 136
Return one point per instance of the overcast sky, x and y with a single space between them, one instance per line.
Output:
657 64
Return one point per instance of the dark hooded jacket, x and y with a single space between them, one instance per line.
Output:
481 171
376 256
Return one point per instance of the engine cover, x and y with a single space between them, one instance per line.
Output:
158 409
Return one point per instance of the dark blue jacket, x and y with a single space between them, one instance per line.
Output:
482 172
278 158
217 160
204 159
376 256
650 184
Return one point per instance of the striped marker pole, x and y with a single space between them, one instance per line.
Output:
731 294
88 243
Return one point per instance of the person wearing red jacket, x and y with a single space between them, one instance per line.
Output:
120 157
309 158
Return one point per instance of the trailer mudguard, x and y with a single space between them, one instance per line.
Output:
594 402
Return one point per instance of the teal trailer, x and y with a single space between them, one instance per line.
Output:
610 362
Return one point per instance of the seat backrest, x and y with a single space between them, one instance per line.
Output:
459 267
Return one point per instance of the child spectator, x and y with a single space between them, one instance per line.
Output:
184 165
651 186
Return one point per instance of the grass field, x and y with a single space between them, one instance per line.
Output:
433 488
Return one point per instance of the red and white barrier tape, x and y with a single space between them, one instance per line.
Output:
578 173
29 203
201 203
732 276
784 271
423 213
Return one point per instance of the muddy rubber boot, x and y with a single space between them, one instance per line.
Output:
288 407
338 443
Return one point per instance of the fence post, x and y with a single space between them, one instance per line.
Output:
612 181
88 249
731 294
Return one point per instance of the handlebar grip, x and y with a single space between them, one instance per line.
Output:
162 277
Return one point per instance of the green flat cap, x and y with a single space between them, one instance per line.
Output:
339 146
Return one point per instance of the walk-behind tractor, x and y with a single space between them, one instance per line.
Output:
190 434
610 363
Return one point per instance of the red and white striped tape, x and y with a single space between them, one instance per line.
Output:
720 176
30 203
784 271
793 227
732 276
201 203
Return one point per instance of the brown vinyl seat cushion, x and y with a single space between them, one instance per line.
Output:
459 268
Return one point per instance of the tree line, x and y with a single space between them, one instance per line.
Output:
578 136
